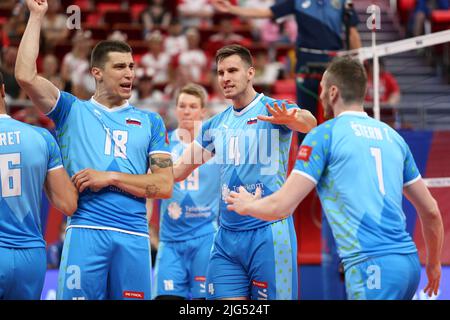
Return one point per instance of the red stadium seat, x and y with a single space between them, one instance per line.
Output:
117 16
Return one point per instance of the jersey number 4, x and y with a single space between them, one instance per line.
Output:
10 177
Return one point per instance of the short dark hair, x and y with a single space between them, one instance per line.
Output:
100 52
234 49
1 79
194 90
350 77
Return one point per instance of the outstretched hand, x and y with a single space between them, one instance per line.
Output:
37 6
238 201
221 5
279 116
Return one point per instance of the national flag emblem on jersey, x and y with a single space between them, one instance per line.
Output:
132 121
304 153
252 120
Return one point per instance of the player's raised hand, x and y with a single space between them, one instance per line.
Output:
238 201
223 6
37 6
281 115
92 179
434 278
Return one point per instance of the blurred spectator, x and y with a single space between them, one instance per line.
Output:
145 96
50 72
75 66
7 68
422 12
195 13
54 250
282 33
117 36
34 117
257 24
388 87
194 61
266 72
54 29
155 16
156 60
16 24
176 41
225 36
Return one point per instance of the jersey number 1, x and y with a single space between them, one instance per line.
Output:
376 153
10 177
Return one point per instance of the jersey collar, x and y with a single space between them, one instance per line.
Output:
4 116
113 109
251 105
354 113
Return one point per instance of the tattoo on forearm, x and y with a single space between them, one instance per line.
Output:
161 162
151 191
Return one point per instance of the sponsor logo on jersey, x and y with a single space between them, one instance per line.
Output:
132 121
174 210
133 295
304 153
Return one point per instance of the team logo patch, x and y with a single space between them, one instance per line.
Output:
133 294
304 153
252 120
132 121
260 284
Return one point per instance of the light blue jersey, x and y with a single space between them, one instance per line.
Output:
121 139
360 166
252 153
27 153
193 209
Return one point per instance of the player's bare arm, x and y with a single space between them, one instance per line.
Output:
278 205
42 92
192 158
432 229
300 120
355 39
225 6
61 192
156 185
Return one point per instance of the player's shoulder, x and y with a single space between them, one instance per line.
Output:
218 117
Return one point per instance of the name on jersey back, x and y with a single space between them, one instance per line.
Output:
9 138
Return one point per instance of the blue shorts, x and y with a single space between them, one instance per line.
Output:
22 273
180 267
259 264
389 277
103 264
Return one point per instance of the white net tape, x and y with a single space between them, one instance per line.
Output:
437 182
